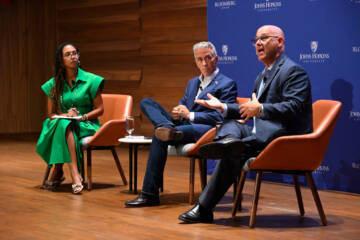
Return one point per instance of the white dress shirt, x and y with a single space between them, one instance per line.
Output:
204 82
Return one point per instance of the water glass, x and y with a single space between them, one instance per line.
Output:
130 125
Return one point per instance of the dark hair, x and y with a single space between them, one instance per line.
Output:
60 74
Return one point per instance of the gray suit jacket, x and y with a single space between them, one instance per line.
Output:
287 102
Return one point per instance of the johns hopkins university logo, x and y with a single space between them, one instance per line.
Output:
356 49
355 116
225 59
355 1
267 5
225 49
314 46
314 56
322 170
224 4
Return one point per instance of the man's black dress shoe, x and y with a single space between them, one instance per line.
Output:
168 133
225 147
197 214
143 201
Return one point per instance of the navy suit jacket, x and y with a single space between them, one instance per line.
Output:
222 88
287 102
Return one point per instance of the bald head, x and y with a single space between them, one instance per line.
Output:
269 43
272 29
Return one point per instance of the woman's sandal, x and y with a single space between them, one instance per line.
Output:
77 188
52 185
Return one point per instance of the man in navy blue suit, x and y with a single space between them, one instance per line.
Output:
281 104
187 122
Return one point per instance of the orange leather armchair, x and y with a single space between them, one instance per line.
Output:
191 150
116 108
296 155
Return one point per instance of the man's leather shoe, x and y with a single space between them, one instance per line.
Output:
168 134
197 214
225 147
143 201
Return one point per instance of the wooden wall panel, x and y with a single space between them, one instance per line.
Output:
175 34
161 5
108 36
99 14
169 30
174 18
98 32
71 4
141 47
27 34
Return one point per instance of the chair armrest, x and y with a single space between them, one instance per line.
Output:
206 138
109 133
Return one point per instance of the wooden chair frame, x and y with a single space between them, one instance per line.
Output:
306 153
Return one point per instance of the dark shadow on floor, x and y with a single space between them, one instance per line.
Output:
66 187
275 221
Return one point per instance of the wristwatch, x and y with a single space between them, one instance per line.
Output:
261 110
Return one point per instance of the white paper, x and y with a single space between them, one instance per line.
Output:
65 117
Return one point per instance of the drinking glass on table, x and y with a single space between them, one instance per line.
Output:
130 125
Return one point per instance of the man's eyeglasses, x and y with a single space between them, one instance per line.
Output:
206 59
70 54
262 39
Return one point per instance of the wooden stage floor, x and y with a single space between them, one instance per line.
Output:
28 212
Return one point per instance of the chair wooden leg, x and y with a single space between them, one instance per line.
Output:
88 168
298 195
82 168
317 200
235 184
191 180
256 198
47 173
238 196
120 169
201 168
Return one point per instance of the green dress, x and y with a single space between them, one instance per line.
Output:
52 144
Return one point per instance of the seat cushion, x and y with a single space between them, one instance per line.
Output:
246 166
179 150
84 141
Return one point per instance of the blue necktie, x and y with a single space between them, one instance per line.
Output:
261 89
263 82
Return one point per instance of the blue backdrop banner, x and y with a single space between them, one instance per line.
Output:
321 35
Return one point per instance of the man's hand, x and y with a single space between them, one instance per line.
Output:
212 103
250 109
179 112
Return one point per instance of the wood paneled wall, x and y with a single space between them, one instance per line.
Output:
141 47
169 30
27 42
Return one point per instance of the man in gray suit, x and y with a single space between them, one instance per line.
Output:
281 104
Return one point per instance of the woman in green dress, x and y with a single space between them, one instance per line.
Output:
71 93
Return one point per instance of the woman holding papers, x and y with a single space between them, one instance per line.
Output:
75 99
